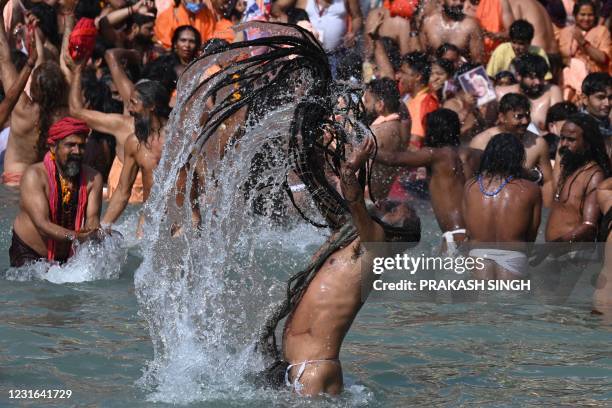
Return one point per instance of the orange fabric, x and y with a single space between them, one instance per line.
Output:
113 180
580 63
172 18
598 37
11 179
401 8
423 103
489 14
223 30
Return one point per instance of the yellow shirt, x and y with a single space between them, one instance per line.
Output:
504 54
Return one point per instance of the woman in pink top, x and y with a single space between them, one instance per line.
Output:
585 47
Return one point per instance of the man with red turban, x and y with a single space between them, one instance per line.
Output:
60 198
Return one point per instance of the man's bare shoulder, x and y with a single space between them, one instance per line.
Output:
528 188
480 140
500 91
471 23
92 174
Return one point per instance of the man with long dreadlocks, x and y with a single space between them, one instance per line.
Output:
286 73
324 299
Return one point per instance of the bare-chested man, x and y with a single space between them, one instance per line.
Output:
514 117
380 24
530 71
314 330
449 167
381 102
60 199
33 115
501 206
451 25
584 164
602 298
544 36
143 132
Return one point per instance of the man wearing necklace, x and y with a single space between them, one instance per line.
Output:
60 199
514 117
584 164
501 206
451 25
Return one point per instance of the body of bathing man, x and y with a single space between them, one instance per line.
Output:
449 166
514 117
381 101
584 164
60 199
602 298
531 70
451 25
326 307
500 205
143 132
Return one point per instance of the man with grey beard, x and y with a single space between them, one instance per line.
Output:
60 199
141 134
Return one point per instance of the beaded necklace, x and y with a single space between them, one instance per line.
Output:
497 191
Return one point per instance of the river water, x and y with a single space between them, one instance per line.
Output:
88 337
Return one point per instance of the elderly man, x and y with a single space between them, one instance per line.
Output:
60 199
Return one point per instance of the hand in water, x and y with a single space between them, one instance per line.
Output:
86 235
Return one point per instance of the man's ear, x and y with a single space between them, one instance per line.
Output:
584 100
379 106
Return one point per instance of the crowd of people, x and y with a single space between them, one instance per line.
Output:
492 109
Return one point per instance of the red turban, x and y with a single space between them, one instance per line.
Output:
66 127
82 39
401 8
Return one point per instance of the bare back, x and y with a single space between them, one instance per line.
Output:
389 138
513 215
536 14
449 171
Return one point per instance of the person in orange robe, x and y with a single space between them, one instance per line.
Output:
200 14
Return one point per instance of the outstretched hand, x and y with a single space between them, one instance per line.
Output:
361 153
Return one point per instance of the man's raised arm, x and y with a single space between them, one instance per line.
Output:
110 123
121 196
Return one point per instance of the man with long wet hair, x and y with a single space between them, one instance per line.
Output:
584 165
141 134
34 113
501 206
324 299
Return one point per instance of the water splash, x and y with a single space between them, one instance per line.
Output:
91 261
205 291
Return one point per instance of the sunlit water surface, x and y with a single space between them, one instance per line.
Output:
88 337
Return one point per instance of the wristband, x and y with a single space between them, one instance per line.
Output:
70 237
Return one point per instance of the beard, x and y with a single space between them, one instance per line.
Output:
142 40
572 161
142 127
72 167
532 91
369 117
454 13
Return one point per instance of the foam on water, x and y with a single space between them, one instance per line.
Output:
206 291
91 261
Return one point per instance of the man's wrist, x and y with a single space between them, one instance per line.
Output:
70 236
